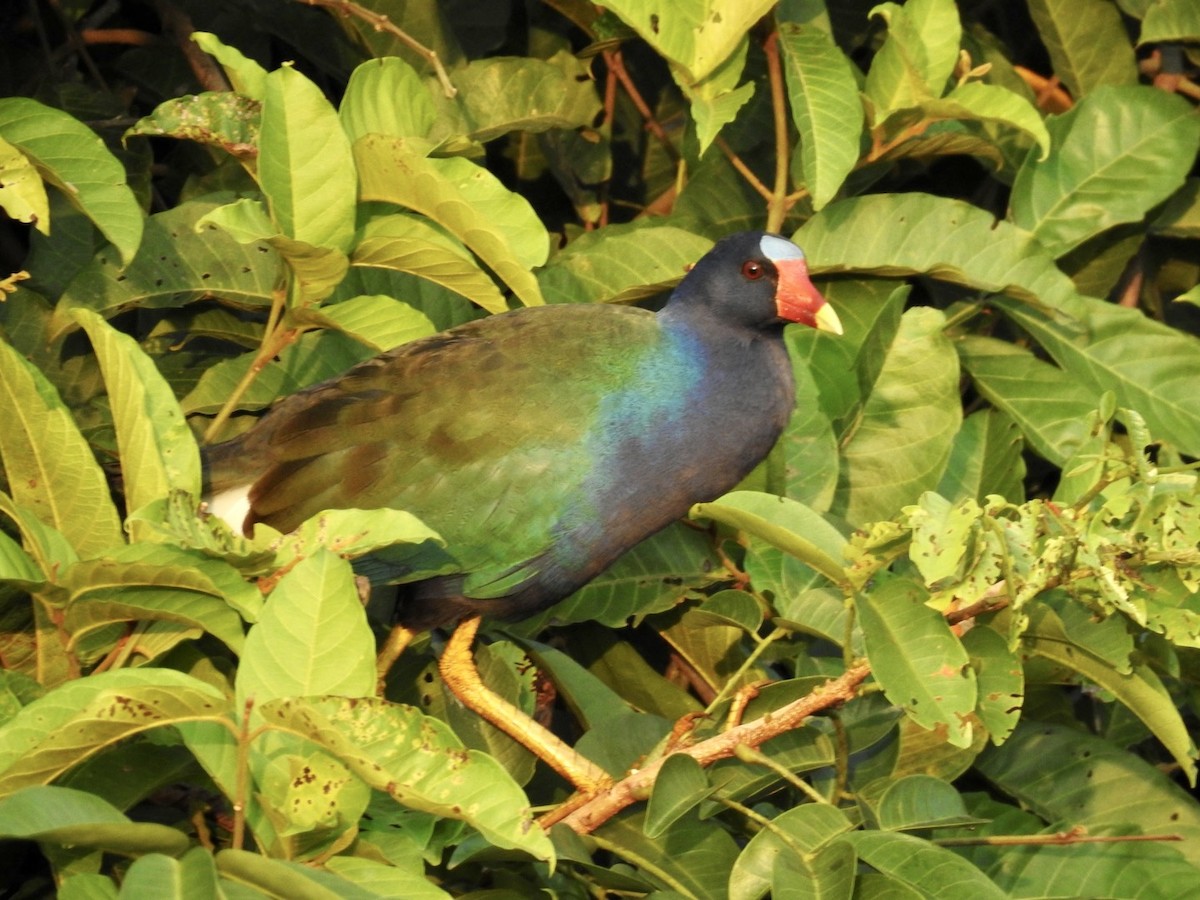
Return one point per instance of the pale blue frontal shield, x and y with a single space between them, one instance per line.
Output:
776 248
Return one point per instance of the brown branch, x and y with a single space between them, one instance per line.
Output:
743 169
380 22
777 205
616 66
598 809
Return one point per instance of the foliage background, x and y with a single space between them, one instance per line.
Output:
988 490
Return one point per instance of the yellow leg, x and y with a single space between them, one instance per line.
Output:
458 671
397 640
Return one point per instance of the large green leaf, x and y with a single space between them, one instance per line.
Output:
22 193
621 263
917 57
1169 21
904 234
50 468
899 444
1148 365
175 265
379 321
1072 778
408 243
1087 41
825 107
312 638
796 838
386 96
692 859
72 157
1140 690
696 34
503 94
418 761
465 199
76 818
985 459
191 877
1048 405
158 450
932 871
918 660
304 163
82 717
1117 154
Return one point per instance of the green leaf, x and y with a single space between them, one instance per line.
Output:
975 101
783 523
905 234
825 106
1048 405
900 443
920 801
647 579
1069 777
386 880
386 96
22 193
82 717
502 94
219 119
283 878
716 100
1117 154
1000 678
191 877
317 269
176 265
312 638
314 358
930 870
920 663
75 818
796 838
917 57
1087 41
72 157
697 35
621 263
158 450
1149 366
378 321
693 858
465 199
1170 21
50 468
985 459
1140 690
304 163
679 786
246 76
408 243
418 761
163 584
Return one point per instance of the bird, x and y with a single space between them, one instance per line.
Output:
543 442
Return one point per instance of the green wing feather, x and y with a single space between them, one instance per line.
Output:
481 432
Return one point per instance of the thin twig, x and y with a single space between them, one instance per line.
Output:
598 809
380 22
743 169
616 65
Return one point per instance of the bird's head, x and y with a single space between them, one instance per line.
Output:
760 280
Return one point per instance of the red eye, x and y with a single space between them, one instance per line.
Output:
753 270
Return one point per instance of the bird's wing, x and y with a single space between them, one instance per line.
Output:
485 433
